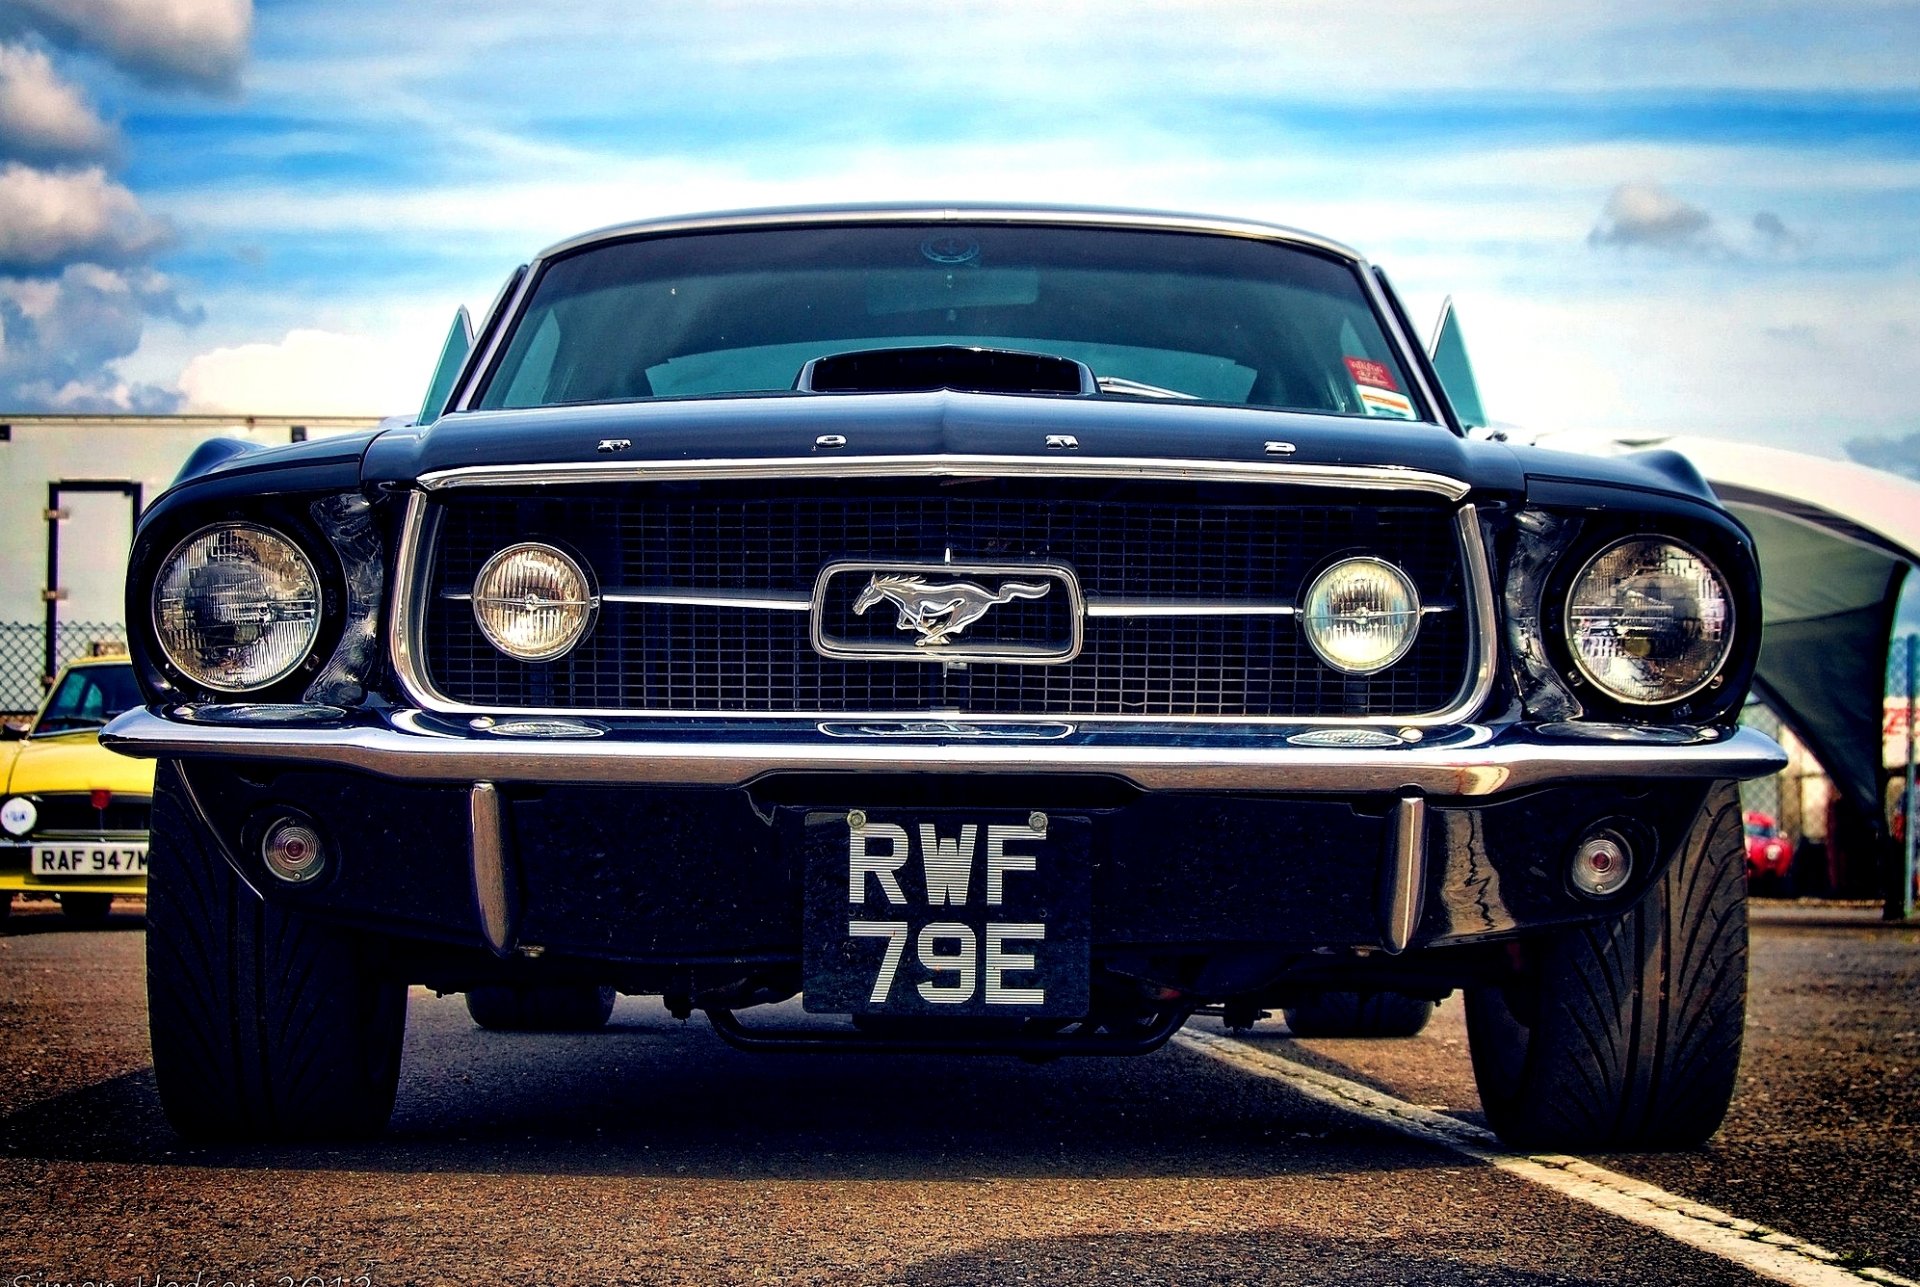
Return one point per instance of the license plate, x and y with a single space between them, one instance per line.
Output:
128 858
947 912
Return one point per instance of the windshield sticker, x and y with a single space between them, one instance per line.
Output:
1379 395
1385 402
1371 374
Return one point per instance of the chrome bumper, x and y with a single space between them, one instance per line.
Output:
1469 760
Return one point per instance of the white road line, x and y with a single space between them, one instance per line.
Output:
1765 1251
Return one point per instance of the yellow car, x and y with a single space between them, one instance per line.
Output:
73 817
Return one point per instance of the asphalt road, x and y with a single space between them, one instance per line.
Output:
652 1153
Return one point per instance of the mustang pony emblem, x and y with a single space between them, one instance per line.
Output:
939 612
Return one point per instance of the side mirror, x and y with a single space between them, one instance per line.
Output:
1450 362
453 355
15 729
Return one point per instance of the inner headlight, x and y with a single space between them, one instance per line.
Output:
1649 621
236 607
533 602
1361 615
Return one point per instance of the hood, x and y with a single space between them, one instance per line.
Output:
237 456
75 762
924 423
1654 471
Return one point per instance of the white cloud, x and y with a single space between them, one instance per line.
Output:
52 218
43 116
1646 214
61 338
311 373
201 44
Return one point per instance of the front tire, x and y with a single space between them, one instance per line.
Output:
1359 1014
1626 1034
562 1008
266 1025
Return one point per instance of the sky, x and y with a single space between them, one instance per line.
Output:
1653 217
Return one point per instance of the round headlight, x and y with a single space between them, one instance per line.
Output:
1361 615
18 815
1649 621
236 607
533 602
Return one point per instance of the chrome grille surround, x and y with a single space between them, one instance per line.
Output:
416 578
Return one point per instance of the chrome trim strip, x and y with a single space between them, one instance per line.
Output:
1186 608
1353 477
1409 345
1483 623
407 751
1095 607
492 895
407 626
1407 889
506 308
1144 220
684 598
406 622
714 599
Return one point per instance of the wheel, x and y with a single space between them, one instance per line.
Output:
86 909
563 1008
1626 1034
6 905
265 1024
1359 1014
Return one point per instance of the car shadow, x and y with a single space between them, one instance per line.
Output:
653 1096
47 918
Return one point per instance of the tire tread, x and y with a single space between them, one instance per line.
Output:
265 1024
1637 1028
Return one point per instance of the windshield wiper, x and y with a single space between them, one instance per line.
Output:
68 723
1137 389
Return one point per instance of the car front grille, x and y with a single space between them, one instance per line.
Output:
1208 546
73 813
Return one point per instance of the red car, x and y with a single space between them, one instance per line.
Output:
1769 854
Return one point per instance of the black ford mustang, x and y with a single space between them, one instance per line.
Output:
1010 630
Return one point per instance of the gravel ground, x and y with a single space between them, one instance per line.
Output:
652 1153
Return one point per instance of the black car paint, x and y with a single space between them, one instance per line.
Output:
1252 919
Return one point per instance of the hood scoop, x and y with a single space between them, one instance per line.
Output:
946 366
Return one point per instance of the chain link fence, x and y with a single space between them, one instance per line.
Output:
23 656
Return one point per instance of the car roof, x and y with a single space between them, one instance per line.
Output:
957 212
110 659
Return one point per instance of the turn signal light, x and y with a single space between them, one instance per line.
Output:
292 851
1602 865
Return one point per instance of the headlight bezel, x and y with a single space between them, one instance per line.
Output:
173 681
1700 699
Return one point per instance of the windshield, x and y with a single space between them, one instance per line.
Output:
1154 314
87 697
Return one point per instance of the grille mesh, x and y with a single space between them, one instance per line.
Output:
1125 540
74 812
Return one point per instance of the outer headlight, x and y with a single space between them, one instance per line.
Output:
1361 615
236 607
18 815
533 602
1649 621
